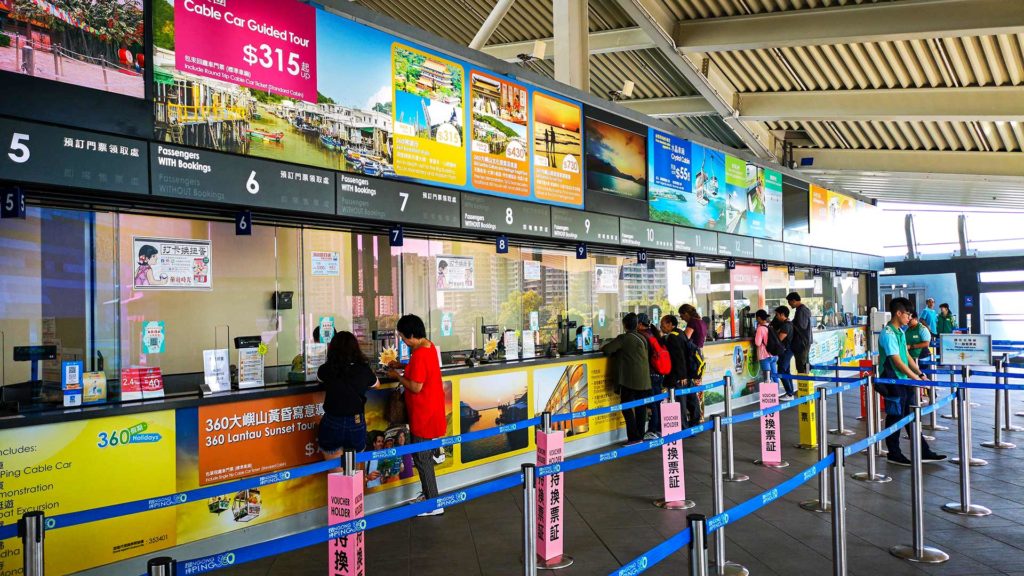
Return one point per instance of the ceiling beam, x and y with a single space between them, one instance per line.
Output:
655 19
620 40
671 107
904 105
875 22
935 162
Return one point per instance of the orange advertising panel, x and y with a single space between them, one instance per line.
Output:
500 150
557 149
819 208
241 439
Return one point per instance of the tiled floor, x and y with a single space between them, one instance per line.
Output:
610 519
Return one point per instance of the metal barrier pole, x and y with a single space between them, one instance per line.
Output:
348 463
545 422
1008 424
821 504
954 410
964 506
529 520
917 552
965 414
161 566
838 511
32 531
997 434
840 429
871 475
730 460
722 567
698 545
933 423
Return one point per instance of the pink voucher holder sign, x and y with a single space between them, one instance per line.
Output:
771 443
267 45
672 460
550 498
345 554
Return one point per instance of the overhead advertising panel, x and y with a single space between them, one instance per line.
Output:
290 81
764 206
43 154
616 168
584 226
92 43
192 174
687 183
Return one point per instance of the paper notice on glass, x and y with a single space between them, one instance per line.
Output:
702 281
325 263
606 279
316 356
250 368
216 370
817 286
529 344
454 273
511 346
531 270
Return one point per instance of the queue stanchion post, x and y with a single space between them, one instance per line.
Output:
965 414
954 410
529 520
917 551
32 531
1008 425
550 499
344 503
698 544
722 567
673 481
964 507
871 475
161 566
821 503
997 428
771 429
730 456
933 423
840 429
838 511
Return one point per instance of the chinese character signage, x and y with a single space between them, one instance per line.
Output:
454 273
345 554
550 496
965 349
672 453
171 264
325 263
771 447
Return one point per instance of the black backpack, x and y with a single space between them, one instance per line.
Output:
774 345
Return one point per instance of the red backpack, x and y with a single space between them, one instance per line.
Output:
661 362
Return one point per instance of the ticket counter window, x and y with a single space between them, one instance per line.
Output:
776 287
556 300
747 299
718 304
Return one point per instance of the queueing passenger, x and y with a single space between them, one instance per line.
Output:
424 399
897 363
803 332
946 321
763 339
929 316
675 343
783 329
628 352
696 332
661 365
346 377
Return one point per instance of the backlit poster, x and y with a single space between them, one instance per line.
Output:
769 194
819 208
557 149
615 160
500 146
428 113
91 43
737 182
171 264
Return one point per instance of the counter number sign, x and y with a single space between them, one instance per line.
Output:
792 269
816 271
243 223
12 204
396 236
730 264
501 244
691 261
581 250
641 256
764 266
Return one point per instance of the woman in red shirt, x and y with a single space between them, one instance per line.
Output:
424 398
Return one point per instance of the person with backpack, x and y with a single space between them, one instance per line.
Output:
803 332
896 362
768 346
696 332
632 373
783 329
661 365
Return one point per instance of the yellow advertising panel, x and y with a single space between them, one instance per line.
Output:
72 466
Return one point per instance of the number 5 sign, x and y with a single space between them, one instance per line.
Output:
12 203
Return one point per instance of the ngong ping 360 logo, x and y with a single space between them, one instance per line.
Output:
201 565
347 528
635 567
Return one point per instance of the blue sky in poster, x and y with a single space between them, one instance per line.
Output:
341 45
668 164
703 206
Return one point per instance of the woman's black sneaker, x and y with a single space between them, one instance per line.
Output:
898 459
933 457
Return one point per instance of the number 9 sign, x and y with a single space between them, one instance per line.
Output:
581 250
